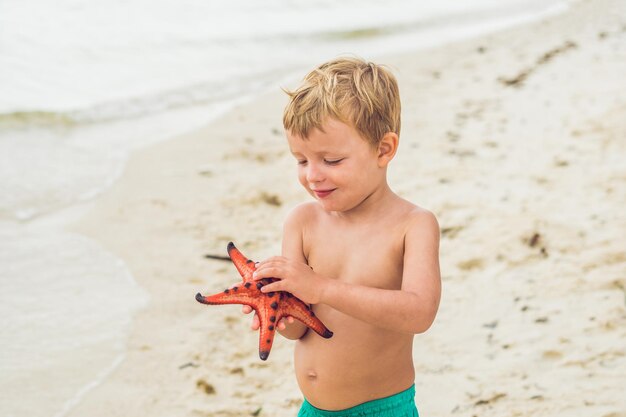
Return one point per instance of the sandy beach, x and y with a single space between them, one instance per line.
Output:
515 140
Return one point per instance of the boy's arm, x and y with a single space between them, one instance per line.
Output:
411 309
292 248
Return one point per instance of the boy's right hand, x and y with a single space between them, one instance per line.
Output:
255 320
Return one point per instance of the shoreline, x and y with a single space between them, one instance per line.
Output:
188 196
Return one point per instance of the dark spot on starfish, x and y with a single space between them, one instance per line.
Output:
271 327
250 261
289 295
273 319
270 294
247 284
274 305
312 313
235 288
226 291
259 285
268 341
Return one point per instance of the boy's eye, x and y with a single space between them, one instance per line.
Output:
302 162
333 161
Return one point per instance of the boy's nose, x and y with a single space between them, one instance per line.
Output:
314 173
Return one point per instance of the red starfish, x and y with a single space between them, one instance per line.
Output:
270 307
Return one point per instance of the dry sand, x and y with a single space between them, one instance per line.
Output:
516 140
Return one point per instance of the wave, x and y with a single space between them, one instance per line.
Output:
135 107
263 67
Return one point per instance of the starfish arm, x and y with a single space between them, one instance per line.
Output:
244 265
233 295
298 310
267 329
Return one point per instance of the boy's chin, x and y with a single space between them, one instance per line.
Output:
328 205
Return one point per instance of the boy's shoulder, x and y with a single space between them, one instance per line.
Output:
303 213
421 231
413 212
414 217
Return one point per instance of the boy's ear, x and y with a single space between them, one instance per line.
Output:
387 148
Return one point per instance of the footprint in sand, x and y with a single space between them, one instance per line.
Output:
260 157
451 232
552 354
202 385
473 263
518 80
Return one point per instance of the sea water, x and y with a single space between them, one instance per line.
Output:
84 83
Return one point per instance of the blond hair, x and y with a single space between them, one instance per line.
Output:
359 93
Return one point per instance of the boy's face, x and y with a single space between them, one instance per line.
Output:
337 167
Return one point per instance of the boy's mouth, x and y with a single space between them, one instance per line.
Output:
323 193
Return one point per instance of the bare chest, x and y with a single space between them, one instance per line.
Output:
371 256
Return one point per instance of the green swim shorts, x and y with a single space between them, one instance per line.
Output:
401 404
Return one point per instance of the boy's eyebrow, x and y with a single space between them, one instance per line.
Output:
320 153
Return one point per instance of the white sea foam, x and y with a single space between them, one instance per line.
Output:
65 309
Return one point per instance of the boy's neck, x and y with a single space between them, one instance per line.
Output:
372 206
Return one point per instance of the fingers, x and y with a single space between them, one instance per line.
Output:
274 286
267 272
256 324
271 268
282 324
270 260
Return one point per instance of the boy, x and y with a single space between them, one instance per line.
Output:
366 259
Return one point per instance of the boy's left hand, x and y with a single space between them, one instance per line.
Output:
295 277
